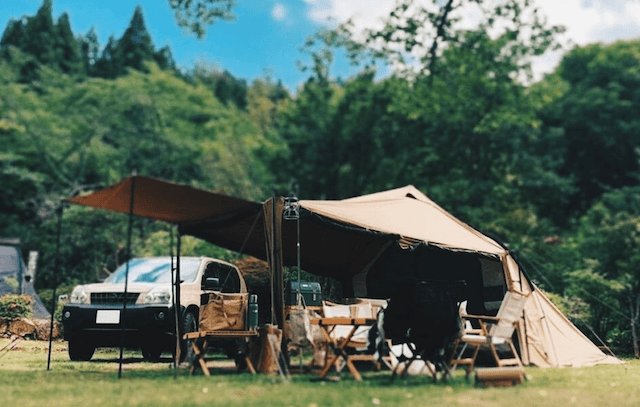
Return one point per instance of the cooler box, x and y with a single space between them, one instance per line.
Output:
311 293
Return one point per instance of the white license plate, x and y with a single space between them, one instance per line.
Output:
107 316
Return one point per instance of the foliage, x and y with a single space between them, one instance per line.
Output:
54 45
610 242
15 306
620 341
68 134
195 15
596 116
46 297
551 168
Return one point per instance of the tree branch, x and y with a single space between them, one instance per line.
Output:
440 33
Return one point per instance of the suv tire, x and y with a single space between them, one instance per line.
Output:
188 324
80 350
152 353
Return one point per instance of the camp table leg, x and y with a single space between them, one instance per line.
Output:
250 365
200 349
331 360
353 369
338 352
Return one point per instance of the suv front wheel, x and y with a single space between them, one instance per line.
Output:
80 350
188 324
152 351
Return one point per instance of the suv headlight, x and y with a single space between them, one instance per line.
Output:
158 295
79 295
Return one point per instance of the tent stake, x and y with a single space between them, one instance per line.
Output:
56 271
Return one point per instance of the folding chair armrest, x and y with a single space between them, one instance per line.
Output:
479 317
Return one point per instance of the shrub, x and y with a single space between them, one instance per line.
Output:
620 341
15 306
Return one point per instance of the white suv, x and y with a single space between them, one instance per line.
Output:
94 316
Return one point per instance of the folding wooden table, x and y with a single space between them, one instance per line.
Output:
202 339
338 345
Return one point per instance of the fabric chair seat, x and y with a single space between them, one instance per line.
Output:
481 340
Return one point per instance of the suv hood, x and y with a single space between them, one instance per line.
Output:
118 288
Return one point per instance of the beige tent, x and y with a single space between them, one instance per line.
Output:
546 336
367 243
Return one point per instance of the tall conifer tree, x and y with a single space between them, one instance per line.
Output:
41 35
67 49
135 47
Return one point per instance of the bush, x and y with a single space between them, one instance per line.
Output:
620 341
46 295
15 306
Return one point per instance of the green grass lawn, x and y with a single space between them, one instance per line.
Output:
24 381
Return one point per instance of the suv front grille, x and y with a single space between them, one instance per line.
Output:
113 298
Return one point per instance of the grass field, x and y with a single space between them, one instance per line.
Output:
24 381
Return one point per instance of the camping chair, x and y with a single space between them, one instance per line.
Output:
493 332
424 316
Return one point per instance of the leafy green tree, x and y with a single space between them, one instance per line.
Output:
265 99
64 136
458 124
305 127
230 89
226 87
195 15
610 242
596 114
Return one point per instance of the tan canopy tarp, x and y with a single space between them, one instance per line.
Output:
166 201
348 238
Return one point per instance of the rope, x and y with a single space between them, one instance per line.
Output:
8 347
246 239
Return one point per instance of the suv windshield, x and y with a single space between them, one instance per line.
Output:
154 270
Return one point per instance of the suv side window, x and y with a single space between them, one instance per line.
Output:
228 277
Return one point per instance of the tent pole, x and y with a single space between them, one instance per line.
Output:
126 273
56 271
277 272
277 266
173 301
177 307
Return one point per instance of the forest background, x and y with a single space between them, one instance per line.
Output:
550 168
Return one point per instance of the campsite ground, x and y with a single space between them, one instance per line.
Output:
24 381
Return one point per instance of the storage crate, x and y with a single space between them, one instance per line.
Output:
311 293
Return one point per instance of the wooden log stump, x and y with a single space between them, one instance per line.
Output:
500 376
22 327
43 327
